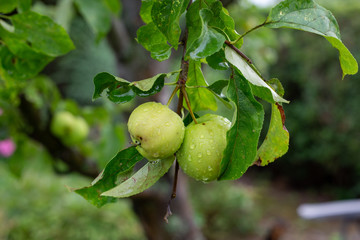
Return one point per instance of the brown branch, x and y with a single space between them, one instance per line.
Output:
41 133
239 52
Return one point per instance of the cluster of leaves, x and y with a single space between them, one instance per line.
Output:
29 40
31 36
210 38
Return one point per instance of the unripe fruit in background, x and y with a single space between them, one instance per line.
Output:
202 149
157 130
69 128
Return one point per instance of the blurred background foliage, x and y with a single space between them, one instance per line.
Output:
322 118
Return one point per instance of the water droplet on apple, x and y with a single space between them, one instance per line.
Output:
208 152
199 155
201 136
192 146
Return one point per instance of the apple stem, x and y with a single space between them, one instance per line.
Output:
172 95
183 90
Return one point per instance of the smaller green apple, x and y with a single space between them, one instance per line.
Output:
80 132
69 128
202 150
62 123
156 129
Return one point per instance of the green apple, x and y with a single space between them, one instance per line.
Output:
80 132
69 128
157 130
202 150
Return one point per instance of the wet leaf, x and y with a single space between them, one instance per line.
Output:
104 81
165 15
203 40
150 86
116 171
276 143
142 179
216 88
218 61
251 75
200 97
309 16
20 68
151 38
121 91
41 33
243 136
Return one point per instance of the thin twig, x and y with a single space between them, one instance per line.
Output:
238 52
249 31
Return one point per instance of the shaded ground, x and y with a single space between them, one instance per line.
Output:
279 203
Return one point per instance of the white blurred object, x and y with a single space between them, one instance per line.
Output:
264 3
343 209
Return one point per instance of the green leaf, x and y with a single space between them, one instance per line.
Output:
265 94
218 61
276 143
17 67
200 97
165 14
23 5
41 33
223 22
105 80
242 138
203 40
114 6
277 86
145 10
142 179
121 91
97 14
251 75
115 172
216 88
150 37
150 86
188 119
309 16
7 6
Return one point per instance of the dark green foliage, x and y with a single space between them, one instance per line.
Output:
324 114
38 206
244 134
217 205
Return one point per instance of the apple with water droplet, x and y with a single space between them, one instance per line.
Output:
156 129
202 149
